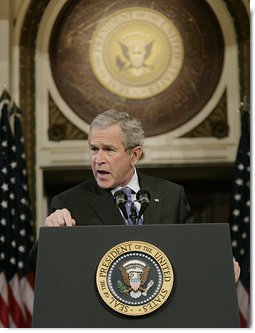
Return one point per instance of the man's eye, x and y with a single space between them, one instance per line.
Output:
93 149
109 151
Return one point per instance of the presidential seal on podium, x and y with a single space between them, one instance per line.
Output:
134 278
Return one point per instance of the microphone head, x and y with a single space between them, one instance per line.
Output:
143 196
120 197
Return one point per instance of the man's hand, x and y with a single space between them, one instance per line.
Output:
61 217
236 269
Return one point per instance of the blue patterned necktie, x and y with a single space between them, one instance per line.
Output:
128 205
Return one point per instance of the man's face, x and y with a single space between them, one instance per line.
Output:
112 165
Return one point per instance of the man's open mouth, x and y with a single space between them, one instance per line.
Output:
102 172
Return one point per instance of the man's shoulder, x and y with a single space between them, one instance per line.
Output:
158 182
87 186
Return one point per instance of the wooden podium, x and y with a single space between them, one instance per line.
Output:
203 293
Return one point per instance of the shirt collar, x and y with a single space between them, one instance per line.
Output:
133 184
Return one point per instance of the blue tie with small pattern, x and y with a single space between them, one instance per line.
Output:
129 206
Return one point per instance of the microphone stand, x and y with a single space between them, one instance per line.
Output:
133 213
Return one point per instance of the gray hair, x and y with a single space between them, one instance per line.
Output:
131 127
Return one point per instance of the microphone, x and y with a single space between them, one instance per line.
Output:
143 197
120 199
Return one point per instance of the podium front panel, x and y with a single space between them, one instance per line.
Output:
203 294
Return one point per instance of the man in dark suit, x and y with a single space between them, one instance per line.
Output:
88 204
116 142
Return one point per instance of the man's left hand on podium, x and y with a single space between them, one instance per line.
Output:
236 270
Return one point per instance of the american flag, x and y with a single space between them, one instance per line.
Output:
240 220
16 228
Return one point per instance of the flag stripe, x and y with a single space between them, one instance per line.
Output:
15 315
15 293
3 301
27 294
4 313
243 301
3 288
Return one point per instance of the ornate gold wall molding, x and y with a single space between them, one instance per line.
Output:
216 124
242 26
60 128
27 87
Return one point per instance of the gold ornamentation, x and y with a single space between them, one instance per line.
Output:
134 278
136 53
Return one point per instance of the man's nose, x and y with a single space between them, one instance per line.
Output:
100 156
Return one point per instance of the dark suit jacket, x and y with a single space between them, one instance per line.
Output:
91 205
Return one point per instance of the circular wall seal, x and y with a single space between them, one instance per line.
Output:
136 53
177 87
134 278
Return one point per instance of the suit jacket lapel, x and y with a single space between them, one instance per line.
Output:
153 211
101 201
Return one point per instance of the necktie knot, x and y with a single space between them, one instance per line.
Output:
128 192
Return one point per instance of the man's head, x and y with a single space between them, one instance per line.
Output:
115 141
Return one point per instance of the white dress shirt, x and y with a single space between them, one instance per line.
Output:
135 187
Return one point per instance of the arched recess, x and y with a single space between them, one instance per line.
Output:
28 92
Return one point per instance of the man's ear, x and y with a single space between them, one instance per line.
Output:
136 154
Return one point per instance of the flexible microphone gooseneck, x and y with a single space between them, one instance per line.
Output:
133 213
143 197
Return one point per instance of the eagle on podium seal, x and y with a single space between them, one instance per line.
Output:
135 274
